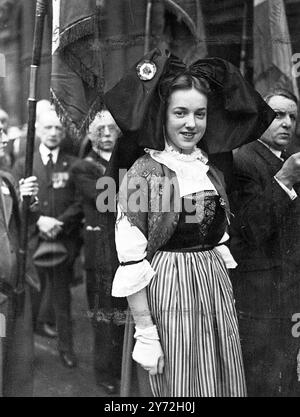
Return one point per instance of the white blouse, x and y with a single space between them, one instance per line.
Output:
131 244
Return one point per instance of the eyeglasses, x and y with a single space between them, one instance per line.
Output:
3 139
111 128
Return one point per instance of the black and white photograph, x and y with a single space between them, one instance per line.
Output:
149 201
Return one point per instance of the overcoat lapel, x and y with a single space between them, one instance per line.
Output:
3 223
40 169
8 205
60 161
97 158
11 203
272 162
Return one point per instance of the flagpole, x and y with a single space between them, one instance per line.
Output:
244 40
148 27
40 13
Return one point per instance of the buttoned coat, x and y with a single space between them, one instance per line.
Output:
99 247
100 264
85 174
265 241
265 232
56 199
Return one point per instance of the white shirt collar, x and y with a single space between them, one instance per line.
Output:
44 151
276 152
105 155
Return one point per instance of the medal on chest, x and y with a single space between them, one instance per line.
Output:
60 179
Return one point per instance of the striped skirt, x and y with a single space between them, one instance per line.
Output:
192 303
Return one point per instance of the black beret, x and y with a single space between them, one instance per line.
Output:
50 254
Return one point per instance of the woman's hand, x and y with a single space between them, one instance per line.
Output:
148 351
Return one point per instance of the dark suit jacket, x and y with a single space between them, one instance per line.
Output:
56 199
98 250
265 235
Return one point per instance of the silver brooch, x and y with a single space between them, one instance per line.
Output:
222 202
146 70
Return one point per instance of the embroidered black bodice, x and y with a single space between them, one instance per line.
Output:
202 222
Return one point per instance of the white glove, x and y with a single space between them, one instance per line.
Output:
147 350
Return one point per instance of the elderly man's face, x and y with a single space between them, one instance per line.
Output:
49 129
3 138
104 132
4 120
280 132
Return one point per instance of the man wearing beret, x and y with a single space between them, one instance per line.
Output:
100 256
59 224
16 335
266 244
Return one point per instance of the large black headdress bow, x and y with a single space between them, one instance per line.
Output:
236 112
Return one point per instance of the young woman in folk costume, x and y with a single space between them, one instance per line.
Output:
173 215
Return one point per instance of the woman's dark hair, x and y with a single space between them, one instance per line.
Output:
184 81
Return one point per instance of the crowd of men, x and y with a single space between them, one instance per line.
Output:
265 242
66 219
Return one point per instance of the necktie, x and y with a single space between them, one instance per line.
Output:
284 156
49 166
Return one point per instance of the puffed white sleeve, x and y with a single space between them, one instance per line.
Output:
131 245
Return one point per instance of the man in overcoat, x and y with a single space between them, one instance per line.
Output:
59 223
107 313
16 333
266 244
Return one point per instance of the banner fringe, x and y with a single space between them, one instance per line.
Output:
78 30
76 133
181 14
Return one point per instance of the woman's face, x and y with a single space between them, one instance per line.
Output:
186 119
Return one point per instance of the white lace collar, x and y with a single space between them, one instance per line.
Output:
196 154
191 169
